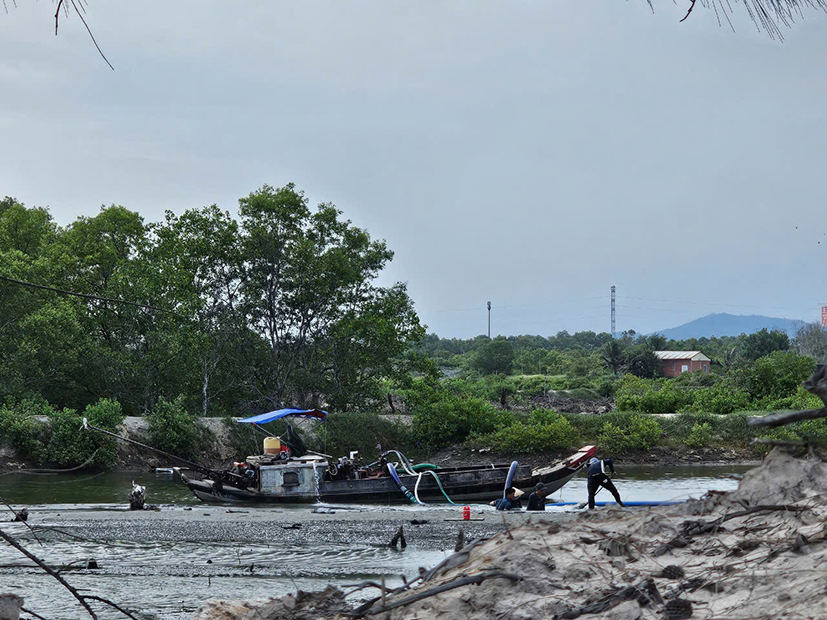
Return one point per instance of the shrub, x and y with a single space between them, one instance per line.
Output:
650 395
641 433
362 431
172 429
22 431
452 419
676 429
665 400
777 375
69 446
786 433
721 399
733 429
605 387
700 436
814 431
547 432
802 399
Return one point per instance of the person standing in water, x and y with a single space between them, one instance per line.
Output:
598 478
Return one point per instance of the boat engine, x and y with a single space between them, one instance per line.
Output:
340 470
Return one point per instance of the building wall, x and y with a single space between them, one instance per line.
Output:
673 368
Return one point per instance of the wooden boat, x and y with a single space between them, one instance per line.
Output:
278 478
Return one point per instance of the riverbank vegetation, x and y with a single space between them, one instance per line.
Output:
280 307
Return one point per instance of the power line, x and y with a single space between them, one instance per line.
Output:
84 295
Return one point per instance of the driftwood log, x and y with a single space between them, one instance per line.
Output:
445 587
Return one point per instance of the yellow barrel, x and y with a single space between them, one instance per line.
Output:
272 445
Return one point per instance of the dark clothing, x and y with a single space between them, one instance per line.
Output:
600 480
506 504
598 468
535 502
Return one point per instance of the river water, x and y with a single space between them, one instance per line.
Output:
167 563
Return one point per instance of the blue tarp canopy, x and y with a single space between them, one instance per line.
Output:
264 418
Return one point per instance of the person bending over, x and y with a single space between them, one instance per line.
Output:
598 478
510 501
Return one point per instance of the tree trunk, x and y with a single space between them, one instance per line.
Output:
205 400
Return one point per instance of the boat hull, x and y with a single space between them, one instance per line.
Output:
461 484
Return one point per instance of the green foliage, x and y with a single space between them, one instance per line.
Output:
802 399
762 343
651 396
814 431
811 340
543 431
774 376
280 303
362 431
495 357
720 399
22 431
640 433
645 364
613 356
700 436
174 430
451 419
69 446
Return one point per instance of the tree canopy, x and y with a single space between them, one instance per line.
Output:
279 307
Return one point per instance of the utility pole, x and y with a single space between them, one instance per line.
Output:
613 310
489 320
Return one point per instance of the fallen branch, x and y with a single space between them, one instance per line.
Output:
778 442
31 613
48 570
111 604
645 593
694 528
445 587
787 417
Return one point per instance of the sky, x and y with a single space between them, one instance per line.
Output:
531 153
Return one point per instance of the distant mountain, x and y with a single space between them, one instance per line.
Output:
722 324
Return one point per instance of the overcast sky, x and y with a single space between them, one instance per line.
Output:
531 153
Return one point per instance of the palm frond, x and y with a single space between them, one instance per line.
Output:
767 15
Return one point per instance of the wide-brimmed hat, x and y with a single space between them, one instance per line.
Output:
518 493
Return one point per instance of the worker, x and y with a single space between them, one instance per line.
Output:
510 501
537 500
598 478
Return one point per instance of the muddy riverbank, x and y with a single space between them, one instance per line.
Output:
755 552
169 562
